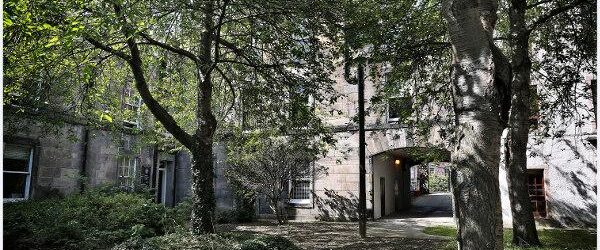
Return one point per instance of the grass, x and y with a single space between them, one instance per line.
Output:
552 239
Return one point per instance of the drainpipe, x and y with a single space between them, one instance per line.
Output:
153 173
83 179
175 164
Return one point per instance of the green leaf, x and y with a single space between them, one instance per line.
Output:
53 41
7 21
106 117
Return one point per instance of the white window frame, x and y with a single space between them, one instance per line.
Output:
302 202
28 173
127 168
135 106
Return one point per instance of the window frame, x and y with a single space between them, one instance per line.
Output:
29 173
534 172
134 103
398 119
129 179
302 202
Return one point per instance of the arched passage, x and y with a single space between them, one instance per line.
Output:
397 179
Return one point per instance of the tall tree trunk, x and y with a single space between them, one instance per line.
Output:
477 101
200 144
524 232
203 196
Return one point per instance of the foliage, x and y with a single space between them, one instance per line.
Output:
552 239
265 163
93 220
438 183
234 241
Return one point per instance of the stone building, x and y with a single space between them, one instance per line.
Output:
562 165
44 160
562 169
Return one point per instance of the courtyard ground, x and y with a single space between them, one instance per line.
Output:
398 231
385 234
427 225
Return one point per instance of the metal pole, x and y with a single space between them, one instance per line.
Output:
362 195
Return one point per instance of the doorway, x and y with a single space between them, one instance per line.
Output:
382 188
161 192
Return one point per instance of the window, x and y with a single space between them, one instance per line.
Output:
399 109
17 171
131 106
301 190
593 141
534 101
537 192
127 171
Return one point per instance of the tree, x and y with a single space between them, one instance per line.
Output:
190 61
480 78
519 39
268 164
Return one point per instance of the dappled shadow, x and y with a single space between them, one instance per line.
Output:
564 214
338 235
571 190
336 207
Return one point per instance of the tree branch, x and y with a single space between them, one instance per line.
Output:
106 48
172 49
230 83
543 19
533 5
159 112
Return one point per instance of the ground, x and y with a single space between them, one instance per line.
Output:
338 235
431 205
428 225
400 231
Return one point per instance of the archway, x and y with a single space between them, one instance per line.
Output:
410 181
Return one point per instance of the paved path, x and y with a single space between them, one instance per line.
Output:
432 205
381 234
403 231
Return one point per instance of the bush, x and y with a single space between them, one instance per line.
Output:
98 219
93 220
268 243
185 240
178 218
225 216
438 183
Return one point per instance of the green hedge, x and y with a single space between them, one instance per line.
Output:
97 219
94 220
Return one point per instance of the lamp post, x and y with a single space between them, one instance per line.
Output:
362 193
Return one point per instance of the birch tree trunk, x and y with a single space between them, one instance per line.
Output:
477 98
524 232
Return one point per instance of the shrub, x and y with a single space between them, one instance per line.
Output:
268 243
225 216
178 218
93 220
438 183
185 240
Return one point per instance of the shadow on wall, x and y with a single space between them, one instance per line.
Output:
561 212
336 207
